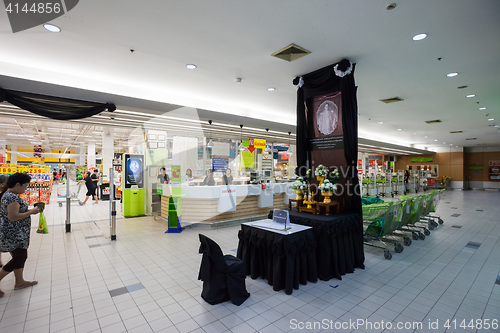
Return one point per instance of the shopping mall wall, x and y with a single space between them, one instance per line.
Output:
450 164
477 166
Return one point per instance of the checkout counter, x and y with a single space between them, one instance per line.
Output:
208 204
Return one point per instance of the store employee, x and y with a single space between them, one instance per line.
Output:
163 177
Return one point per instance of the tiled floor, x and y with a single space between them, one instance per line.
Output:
146 281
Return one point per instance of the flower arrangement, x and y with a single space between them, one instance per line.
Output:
327 186
334 176
299 184
321 171
445 180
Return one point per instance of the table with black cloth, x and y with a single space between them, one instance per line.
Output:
339 242
284 259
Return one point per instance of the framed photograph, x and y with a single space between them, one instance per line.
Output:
161 137
151 137
154 171
153 145
161 144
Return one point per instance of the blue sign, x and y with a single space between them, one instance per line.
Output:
220 164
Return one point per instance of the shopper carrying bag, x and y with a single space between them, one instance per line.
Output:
15 227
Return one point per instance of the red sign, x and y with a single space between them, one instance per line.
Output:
360 162
251 145
431 182
385 163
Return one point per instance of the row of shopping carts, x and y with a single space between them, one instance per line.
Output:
399 222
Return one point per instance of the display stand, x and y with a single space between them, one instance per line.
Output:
299 203
333 203
174 219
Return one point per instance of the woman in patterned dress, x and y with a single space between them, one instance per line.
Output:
15 227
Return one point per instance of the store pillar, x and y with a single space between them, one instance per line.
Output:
91 156
13 154
107 152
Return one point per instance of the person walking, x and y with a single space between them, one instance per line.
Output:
95 178
89 183
15 227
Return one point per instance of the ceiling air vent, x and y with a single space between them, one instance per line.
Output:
471 139
392 100
291 52
453 132
433 121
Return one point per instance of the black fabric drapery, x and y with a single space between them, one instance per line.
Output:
339 242
54 107
324 81
284 260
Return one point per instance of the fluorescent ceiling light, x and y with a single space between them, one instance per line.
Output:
191 66
51 27
380 122
491 119
400 129
472 95
452 74
8 125
419 36
483 108
271 89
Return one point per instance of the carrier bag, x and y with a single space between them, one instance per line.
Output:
42 224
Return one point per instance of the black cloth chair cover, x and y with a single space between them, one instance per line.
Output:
223 276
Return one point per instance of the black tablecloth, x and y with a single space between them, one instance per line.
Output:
284 260
339 242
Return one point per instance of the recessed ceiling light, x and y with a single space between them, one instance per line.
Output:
451 144
472 95
435 139
271 89
491 119
483 108
400 129
380 122
51 27
452 74
419 36
191 66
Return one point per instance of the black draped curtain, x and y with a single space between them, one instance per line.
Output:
338 77
54 107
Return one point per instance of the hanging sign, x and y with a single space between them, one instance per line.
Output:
259 143
251 145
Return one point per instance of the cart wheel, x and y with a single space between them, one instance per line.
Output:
398 248
407 241
421 236
430 226
434 224
60 204
414 235
387 255
392 195
427 232
441 221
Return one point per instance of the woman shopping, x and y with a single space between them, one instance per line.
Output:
15 227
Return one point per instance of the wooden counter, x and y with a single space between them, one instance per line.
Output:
208 204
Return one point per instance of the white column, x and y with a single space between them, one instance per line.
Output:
107 151
80 158
3 159
13 154
91 156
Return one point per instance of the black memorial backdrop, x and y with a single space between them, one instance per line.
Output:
54 107
330 89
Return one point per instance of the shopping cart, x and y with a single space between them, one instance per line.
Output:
415 212
74 190
380 221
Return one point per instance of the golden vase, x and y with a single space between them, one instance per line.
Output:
320 179
300 194
327 196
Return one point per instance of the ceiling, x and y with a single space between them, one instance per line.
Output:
111 49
